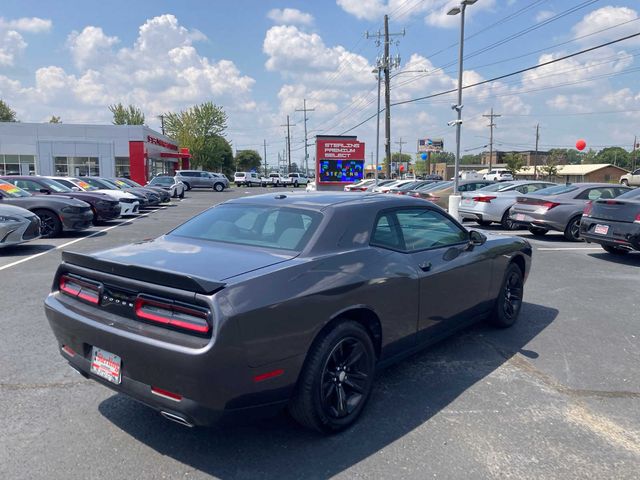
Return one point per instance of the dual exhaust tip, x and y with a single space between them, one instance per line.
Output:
176 418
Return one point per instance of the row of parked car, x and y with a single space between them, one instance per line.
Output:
603 213
41 206
252 179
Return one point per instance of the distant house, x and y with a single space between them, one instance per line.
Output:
593 172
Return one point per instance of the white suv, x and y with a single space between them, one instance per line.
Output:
498 175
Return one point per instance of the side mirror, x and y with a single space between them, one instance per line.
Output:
45 191
76 189
476 238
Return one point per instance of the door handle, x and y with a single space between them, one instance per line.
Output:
425 266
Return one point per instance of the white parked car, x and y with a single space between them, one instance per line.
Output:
360 186
492 203
498 175
129 204
172 185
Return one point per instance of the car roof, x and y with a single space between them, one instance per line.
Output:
322 200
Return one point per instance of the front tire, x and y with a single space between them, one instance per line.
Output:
187 186
572 230
50 224
218 187
509 301
336 380
625 182
483 223
538 231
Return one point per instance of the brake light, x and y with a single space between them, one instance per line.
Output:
549 205
484 198
81 289
587 209
173 315
637 220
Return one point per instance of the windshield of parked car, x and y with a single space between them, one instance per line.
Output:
631 194
130 182
55 186
253 225
557 190
495 187
161 181
12 191
433 186
96 184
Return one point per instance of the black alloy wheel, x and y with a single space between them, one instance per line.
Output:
506 222
572 230
509 301
615 250
538 231
336 380
50 224
187 186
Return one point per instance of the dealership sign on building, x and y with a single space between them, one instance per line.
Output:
430 145
340 160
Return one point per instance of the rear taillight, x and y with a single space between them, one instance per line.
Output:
169 313
432 198
587 209
81 289
484 198
637 220
549 205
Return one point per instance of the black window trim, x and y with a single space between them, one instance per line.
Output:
396 225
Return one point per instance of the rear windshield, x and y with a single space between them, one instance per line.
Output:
239 174
252 225
161 181
556 190
631 194
494 187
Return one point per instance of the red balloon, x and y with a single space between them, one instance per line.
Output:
581 144
401 167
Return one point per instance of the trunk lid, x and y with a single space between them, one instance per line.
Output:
616 210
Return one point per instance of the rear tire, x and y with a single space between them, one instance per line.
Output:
484 223
538 231
218 187
572 230
625 182
295 184
187 186
615 250
509 301
182 194
50 224
506 222
336 379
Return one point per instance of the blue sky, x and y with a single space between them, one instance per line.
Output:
260 59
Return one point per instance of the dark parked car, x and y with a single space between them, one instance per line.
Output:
275 300
614 224
560 208
103 206
143 197
56 213
126 184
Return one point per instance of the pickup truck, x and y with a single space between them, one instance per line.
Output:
631 179
296 179
275 180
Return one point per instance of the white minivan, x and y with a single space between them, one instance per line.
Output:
250 179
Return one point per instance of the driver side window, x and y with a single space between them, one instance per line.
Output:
423 229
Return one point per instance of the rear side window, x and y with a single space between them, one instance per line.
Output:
598 193
250 225
635 193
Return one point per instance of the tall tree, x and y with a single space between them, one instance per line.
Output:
248 160
470 159
615 156
6 113
200 129
130 115
514 162
55 119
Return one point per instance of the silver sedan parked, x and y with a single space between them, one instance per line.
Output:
17 225
560 208
492 203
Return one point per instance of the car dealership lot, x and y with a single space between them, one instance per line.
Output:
556 396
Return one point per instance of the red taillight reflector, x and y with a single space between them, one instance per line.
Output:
637 220
265 376
79 289
587 209
166 394
68 350
170 314
484 198
549 205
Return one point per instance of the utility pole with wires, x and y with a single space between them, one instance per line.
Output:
161 117
385 65
400 143
306 153
491 116
633 153
266 170
288 125
535 161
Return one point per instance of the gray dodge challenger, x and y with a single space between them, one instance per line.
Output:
285 300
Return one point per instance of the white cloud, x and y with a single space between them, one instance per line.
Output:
12 43
364 9
543 15
438 16
290 16
161 71
604 18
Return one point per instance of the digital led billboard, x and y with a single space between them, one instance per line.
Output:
341 171
340 160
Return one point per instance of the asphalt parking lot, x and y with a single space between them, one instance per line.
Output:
556 396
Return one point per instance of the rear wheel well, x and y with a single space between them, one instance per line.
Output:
367 318
519 262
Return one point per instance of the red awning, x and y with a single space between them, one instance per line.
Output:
175 155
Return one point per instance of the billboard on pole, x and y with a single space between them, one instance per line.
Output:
430 145
339 160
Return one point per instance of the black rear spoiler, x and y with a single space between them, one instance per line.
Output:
145 274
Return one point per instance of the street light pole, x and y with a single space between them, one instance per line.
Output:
454 200
378 129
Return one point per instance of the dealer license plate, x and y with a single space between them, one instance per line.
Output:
467 201
601 229
106 365
520 217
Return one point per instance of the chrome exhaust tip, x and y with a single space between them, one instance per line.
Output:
177 418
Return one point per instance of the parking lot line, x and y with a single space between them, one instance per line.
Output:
32 257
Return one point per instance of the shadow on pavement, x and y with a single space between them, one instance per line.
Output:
632 259
24 250
405 396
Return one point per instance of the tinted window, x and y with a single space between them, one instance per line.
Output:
635 193
386 233
494 187
423 229
161 181
28 185
271 227
598 193
9 190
